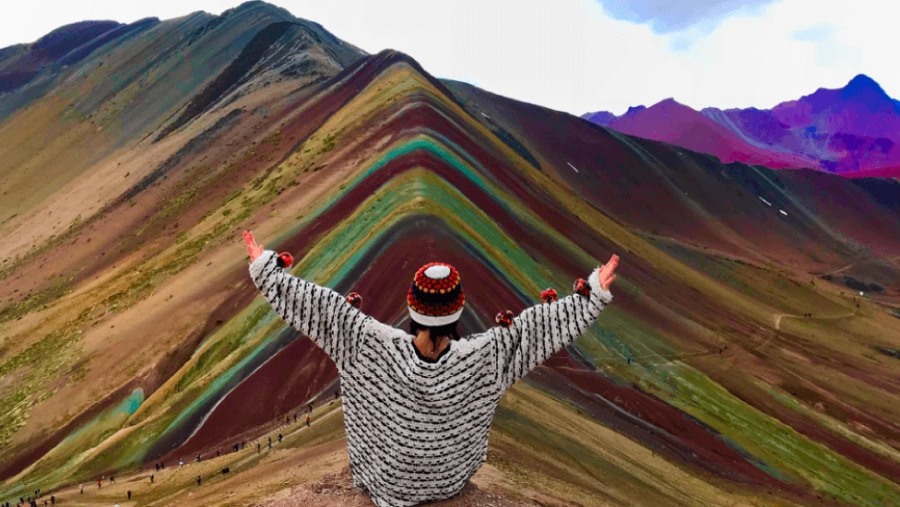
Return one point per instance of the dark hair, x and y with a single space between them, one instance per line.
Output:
448 330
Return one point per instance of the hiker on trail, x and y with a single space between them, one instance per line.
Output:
151 478
257 447
98 483
129 494
401 389
280 436
270 442
307 421
180 462
199 480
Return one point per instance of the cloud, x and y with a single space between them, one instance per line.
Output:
667 16
821 36
815 33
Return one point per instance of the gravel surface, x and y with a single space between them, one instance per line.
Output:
335 490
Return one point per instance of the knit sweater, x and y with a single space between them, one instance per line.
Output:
417 429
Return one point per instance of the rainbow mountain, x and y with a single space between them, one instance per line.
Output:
750 356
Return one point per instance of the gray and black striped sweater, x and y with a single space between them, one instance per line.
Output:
417 429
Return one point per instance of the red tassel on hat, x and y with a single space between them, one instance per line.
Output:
549 295
504 318
354 299
285 260
582 287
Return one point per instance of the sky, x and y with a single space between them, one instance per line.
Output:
581 55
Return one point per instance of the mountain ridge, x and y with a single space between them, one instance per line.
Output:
850 131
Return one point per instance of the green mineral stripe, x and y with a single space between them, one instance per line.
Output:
451 154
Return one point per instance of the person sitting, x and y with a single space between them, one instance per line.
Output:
418 406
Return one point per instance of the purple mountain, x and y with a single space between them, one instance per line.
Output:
853 131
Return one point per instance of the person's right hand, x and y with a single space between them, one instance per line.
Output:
253 249
607 272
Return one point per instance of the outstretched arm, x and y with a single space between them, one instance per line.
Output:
541 330
318 312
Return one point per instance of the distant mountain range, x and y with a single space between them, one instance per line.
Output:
853 131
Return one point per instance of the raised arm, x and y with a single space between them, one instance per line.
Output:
541 330
318 312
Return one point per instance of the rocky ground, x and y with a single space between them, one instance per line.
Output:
338 490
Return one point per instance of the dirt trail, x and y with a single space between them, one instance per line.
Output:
848 266
779 316
291 473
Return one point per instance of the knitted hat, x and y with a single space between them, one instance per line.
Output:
435 296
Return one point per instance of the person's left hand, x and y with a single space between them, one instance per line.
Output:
607 272
253 249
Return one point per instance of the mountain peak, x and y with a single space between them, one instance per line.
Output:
257 6
600 117
634 110
864 88
670 104
862 82
66 36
